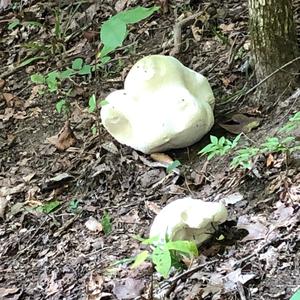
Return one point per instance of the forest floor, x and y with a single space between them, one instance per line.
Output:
47 195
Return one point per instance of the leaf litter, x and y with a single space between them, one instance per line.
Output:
51 251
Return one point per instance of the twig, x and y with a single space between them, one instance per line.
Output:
272 74
177 31
241 291
66 225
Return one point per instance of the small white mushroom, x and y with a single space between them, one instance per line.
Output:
188 219
164 105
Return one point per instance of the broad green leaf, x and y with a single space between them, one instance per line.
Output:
161 258
173 165
208 148
105 59
86 70
38 78
77 64
296 296
140 258
60 105
66 74
214 140
106 223
92 103
49 206
221 141
136 14
13 24
29 61
52 84
188 247
112 35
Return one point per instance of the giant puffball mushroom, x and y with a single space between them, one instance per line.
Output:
188 219
164 105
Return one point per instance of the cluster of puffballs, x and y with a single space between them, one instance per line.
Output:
165 105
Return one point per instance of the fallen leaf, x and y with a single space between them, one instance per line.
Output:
5 191
64 139
233 198
128 288
94 287
2 83
3 204
256 230
270 160
240 123
4 292
162 158
231 279
227 27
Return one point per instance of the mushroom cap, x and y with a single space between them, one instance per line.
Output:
188 219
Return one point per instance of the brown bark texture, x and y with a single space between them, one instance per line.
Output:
273 41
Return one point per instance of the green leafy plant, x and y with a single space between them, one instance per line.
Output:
244 157
172 166
114 31
166 255
219 146
48 207
54 78
106 223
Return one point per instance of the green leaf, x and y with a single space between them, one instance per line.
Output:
296 296
33 24
38 78
161 258
136 14
49 206
188 247
105 59
66 74
29 61
92 103
140 258
60 105
221 141
13 24
73 205
52 84
214 139
173 165
207 149
103 102
77 64
112 35
106 223
86 70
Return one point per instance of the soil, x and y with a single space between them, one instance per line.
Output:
51 189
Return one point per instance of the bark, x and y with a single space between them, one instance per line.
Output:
273 41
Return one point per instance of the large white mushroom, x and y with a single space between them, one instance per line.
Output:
164 105
188 219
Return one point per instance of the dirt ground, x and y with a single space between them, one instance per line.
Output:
47 195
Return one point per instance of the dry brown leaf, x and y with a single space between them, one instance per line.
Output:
6 191
227 27
161 157
3 204
128 288
2 83
270 160
64 139
241 123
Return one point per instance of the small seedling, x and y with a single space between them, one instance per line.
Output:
166 255
172 166
106 223
48 207
219 146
